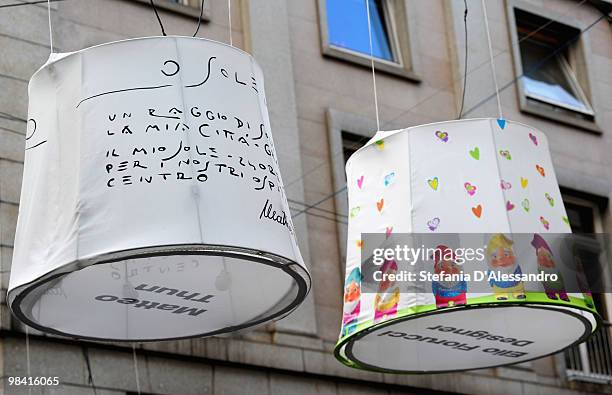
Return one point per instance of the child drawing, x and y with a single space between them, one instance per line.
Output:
352 301
546 265
502 261
387 299
448 293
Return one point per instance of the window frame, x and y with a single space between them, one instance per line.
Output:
579 77
573 81
338 122
400 33
181 8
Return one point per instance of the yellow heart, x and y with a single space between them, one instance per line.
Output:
524 182
433 183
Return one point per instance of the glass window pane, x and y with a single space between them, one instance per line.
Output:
547 80
347 23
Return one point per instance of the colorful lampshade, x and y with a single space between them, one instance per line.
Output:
441 189
152 205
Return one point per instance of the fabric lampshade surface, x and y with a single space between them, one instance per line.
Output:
152 205
479 183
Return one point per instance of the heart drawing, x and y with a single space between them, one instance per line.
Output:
475 153
477 210
360 182
550 199
389 178
525 204
442 136
470 189
433 183
433 223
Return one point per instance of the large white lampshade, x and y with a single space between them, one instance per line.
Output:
152 205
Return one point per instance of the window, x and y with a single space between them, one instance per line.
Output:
185 7
545 58
351 143
344 34
192 3
552 59
590 361
347 22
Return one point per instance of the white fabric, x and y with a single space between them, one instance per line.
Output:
197 107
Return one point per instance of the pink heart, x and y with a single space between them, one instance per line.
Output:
533 138
389 230
360 182
509 205
470 189
505 185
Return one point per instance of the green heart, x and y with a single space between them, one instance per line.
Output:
475 153
525 204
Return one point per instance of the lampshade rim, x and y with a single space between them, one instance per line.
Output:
56 57
376 137
347 343
296 271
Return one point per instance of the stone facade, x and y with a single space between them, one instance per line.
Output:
309 96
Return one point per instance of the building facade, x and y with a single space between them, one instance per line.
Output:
554 65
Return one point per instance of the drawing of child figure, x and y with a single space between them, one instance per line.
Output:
502 260
386 300
447 293
352 301
546 265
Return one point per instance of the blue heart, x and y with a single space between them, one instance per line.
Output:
389 178
501 122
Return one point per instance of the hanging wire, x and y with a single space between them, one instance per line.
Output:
199 18
465 57
319 216
372 64
88 364
486 21
436 91
311 206
27 3
28 369
539 64
158 18
512 82
229 19
136 366
318 209
50 29
11 117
